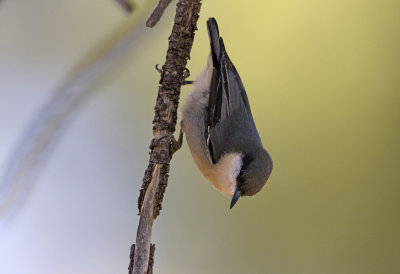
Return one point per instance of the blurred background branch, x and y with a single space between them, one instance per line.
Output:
33 146
125 5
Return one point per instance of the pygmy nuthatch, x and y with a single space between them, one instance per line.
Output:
219 127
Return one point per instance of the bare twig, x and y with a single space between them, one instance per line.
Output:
157 13
125 5
164 144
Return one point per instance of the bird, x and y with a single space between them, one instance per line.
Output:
219 127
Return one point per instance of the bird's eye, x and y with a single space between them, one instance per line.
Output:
242 172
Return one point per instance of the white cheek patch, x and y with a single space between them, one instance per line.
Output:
226 171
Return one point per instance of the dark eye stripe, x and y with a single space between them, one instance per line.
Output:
246 160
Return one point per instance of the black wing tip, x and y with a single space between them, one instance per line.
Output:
213 31
212 24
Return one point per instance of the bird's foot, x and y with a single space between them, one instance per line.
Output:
175 144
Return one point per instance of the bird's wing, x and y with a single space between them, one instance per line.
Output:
228 108
232 85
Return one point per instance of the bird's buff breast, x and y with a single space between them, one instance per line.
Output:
223 174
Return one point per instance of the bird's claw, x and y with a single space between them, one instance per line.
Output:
186 73
176 144
159 70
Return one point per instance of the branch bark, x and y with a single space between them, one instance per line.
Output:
163 145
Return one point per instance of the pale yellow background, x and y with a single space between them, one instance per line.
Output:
323 81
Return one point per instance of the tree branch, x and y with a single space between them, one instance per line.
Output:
157 13
163 145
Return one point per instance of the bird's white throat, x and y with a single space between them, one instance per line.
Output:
224 173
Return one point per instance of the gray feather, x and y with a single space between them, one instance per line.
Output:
229 111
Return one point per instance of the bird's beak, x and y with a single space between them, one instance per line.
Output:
235 197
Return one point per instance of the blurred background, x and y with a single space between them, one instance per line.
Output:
323 81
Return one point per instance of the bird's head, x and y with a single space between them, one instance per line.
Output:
254 173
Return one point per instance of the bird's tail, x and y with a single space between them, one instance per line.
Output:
216 43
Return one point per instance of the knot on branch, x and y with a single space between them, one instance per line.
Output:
161 149
166 109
